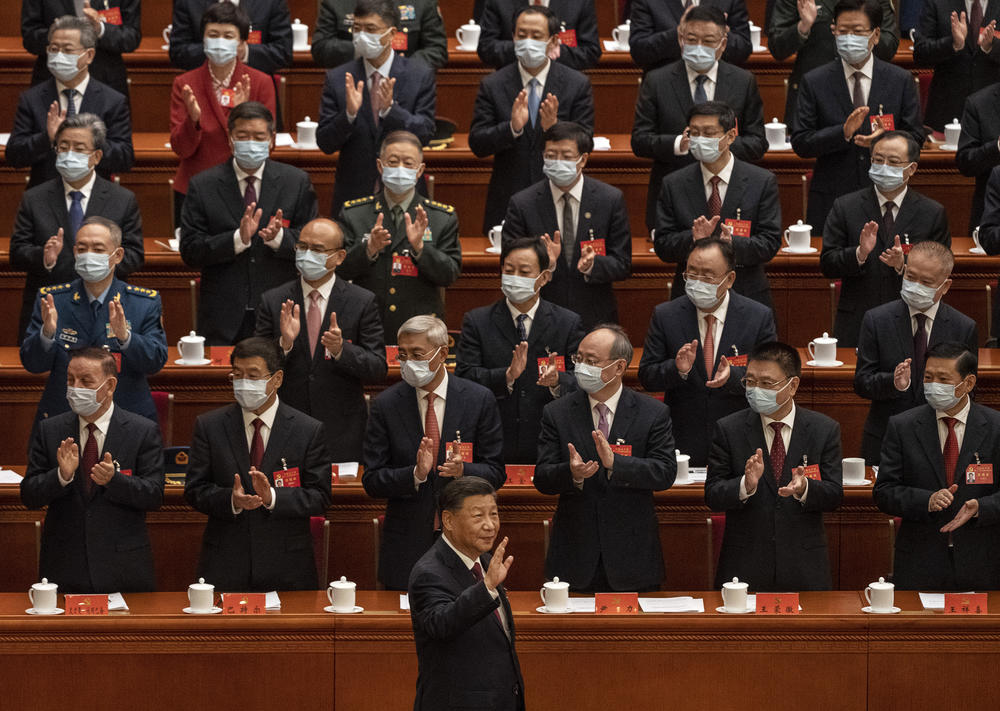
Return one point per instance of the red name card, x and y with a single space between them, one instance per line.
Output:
812 472
961 603
979 474
777 603
616 603
598 245
392 355
737 361
558 361
111 16
520 474
623 450
243 603
887 121
463 448
86 605
219 354
741 228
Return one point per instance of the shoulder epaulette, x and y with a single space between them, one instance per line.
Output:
441 206
141 291
54 289
359 201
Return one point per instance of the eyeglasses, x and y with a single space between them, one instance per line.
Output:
303 247
707 278
766 384
894 162
578 359
552 155
236 375
56 49
372 29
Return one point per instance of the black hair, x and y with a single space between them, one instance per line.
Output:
966 361
258 347
550 17
532 243
912 147
719 109
871 8
706 13
386 10
783 354
225 13
570 131
454 493
724 246
248 111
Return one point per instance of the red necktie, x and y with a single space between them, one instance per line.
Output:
777 451
314 320
250 194
950 450
257 444
858 93
89 459
708 347
431 424
975 24
714 200
477 572
376 104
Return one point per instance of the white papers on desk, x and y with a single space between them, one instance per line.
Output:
935 601
671 604
8 476
752 603
116 602
347 470
404 602
4 137
698 473
282 140
602 143
613 46
272 601
582 604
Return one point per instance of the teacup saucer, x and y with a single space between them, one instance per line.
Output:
192 611
799 250
786 147
825 363
203 361
863 482
493 250
353 611
56 611
870 611
724 611
977 250
947 147
545 611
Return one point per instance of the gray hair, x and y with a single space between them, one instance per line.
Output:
621 348
936 251
112 227
98 131
88 35
433 327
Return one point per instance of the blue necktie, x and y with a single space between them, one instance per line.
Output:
522 332
70 105
534 99
700 97
95 307
75 212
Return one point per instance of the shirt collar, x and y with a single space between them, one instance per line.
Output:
726 172
80 88
218 84
866 68
86 189
788 419
324 289
576 191
962 415
711 73
611 402
102 422
466 560
930 313
404 204
515 312
441 390
720 311
542 76
267 415
241 174
898 200
383 69
102 297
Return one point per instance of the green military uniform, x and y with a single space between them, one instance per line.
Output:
403 285
420 33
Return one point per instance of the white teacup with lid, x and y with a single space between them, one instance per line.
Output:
468 36
201 595
734 596
823 350
683 468
44 596
192 349
797 236
880 596
775 131
755 36
952 132
300 36
305 133
341 594
621 35
555 595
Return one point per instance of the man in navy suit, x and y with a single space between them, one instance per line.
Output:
259 470
696 346
656 29
720 196
539 337
845 104
989 231
979 145
98 469
861 240
774 469
239 225
590 246
579 46
50 214
896 336
938 473
517 104
43 107
331 334
462 622
270 45
367 99
422 433
668 93
96 309
603 451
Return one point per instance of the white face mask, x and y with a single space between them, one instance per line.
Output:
518 288
250 394
399 179
220 51
83 401
93 267
531 52
918 296
941 396
705 149
417 373
702 294
63 66
369 45
588 377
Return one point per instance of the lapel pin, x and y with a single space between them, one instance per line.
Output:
283 464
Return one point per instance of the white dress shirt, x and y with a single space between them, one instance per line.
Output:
866 77
576 195
896 202
241 180
930 313
962 416
80 90
726 173
442 394
526 78
530 313
720 320
611 403
267 417
102 422
786 437
86 190
383 70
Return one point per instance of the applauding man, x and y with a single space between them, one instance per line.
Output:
604 450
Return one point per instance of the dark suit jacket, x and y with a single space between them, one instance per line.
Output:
465 658
517 162
108 66
873 283
886 340
391 443
977 152
956 74
232 284
40 215
661 114
824 104
753 191
609 520
258 550
269 17
912 469
496 43
29 143
330 390
653 40
97 543
359 142
783 41
675 323
484 353
603 215
773 542
989 230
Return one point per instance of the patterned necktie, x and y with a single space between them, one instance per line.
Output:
708 347
431 425
75 212
919 349
376 103
250 194
975 24
257 444
522 332
477 572
534 100
889 221
568 230
70 103
714 200
314 320
602 419
700 96
89 459
858 95
777 451
950 450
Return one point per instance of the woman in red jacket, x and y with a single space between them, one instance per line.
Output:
201 99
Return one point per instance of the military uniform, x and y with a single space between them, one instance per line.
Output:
404 286
420 33
79 326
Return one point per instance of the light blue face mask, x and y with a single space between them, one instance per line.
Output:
93 267
250 155
698 57
250 394
311 265
399 179
853 49
916 295
517 288
72 166
705 149
63 66
219 50
368 44
560 172
940 396
764 401
887 177
702 294
531 52
83 401
417 373
588 377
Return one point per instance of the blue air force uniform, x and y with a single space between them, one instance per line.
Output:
84 322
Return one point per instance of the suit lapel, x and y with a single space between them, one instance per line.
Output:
411 414
941 329
878 97
588 205
229 191
583 426
453 411
798 444
754 429
624 416
98 199
269 193
206 80
539 326
284 422
903 330
734 193
500 316
727 339
91 101
696 192
236 433
681 88
57 203
841 90
927 433
976 431
302 341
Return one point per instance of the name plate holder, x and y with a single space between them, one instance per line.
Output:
86 605
243 603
